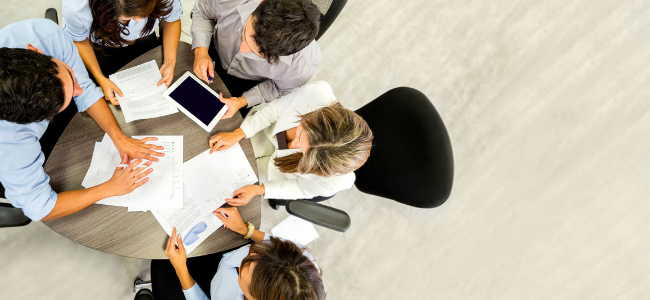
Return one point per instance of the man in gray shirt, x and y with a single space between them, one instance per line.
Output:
266 48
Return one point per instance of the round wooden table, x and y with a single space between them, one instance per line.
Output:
112 229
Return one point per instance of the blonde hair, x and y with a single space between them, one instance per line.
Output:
339 143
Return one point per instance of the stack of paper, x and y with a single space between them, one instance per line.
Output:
142 96
164 190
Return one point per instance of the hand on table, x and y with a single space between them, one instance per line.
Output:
233 104
167 72
125 180
203 64
225 140
175 250
232 219
138 148
110 88
243 195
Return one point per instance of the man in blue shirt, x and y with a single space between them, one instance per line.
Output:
40 74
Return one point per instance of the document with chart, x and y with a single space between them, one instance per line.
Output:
164 190
142 96
212 178
193 227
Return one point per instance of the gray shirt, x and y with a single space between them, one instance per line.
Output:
225 20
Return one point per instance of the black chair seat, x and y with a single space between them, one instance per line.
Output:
411 160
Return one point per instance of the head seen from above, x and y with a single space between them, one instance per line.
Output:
33 86
108 15
334 140
279 270
279 28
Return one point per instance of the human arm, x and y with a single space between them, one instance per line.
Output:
303 188
123 181
132 147
109 88
175 251
232 220
171 35
244 194
204 19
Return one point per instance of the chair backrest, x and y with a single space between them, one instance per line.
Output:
329 10
411 161
11 216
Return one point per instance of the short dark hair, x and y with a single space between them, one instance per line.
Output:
284 27
30 90
283 272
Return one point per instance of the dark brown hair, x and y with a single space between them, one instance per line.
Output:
106 29
339 143
284 27
30 89
283 272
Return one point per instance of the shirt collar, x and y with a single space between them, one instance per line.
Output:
245 10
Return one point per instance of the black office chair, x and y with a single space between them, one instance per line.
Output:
332 8
411 161
11 216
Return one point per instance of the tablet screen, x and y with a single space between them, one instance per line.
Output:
197 100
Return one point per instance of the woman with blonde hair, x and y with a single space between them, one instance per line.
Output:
306 144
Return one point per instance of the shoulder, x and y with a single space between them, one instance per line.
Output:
39 26
12 133
76 13
319 89
310 54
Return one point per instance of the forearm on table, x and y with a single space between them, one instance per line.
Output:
105 119
171 36
184 276
71 202
87 54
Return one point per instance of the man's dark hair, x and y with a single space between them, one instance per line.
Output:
284 27
30 90
283 272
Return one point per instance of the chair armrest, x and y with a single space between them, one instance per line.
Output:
50 13
319 214
12 217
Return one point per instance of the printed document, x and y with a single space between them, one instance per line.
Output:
296 230
193 226
164 190
212 178
142 96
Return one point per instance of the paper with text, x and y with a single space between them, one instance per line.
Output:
193 226
211 178
142 96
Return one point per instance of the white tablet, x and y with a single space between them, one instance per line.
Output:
195 99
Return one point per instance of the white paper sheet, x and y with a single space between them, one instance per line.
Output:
189 222
142 96
296 230
164 190
105 155
211 178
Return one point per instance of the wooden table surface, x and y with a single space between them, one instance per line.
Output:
137 234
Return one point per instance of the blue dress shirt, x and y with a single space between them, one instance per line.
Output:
77 19
224 285
21 158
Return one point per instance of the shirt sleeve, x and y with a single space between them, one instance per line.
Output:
68 53
26 184
195 293
204 19
176 13
260 120
77 19
302 188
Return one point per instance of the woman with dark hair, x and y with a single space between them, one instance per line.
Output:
269 269
306 143
111 33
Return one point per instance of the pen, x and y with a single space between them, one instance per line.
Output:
210 77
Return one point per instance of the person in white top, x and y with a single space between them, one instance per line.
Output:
306 144
269 269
